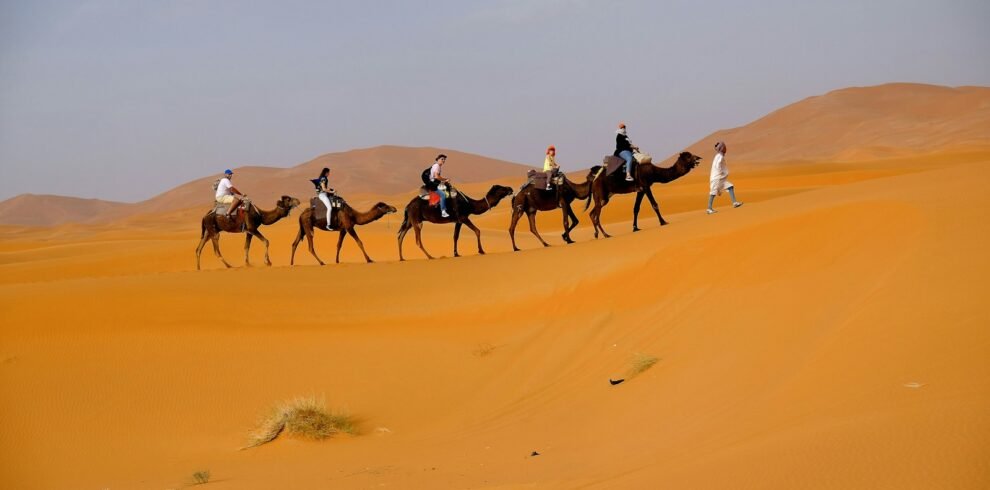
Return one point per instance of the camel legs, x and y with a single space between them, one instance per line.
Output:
312 249
516 214
595 215
569 216
247 246
639 200
247 249
457 234
340 243
477 233
353 234
403 229
295 243
216 249
656 208
653 202
532 228
199 249
418 228
596 220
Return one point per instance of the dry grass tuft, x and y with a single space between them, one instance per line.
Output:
201 477
305 417
483 349
640 363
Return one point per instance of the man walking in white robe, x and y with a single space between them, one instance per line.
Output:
718 181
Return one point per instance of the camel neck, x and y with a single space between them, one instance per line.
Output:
270 217
366 217
667 174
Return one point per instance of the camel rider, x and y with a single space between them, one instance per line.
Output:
624 150
227 193
550 164
436 179
323 191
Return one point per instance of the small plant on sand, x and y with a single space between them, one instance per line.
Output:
483 349
640 363
305 417
201 477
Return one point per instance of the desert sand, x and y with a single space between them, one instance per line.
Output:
831 333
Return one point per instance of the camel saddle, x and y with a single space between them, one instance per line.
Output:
539 179
432 196
613 164
320 209
221 208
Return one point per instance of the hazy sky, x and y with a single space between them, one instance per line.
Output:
122 99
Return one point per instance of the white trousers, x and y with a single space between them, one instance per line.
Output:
326 200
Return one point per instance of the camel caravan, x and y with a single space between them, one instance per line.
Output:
439 202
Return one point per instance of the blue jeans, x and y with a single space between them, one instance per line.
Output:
443 200
627 156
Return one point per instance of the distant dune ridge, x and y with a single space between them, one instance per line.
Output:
382 170
889 120
47 209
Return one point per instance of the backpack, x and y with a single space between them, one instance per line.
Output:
216 185
426 176
316 182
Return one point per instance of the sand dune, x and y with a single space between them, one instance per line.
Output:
859 123
851 124
46 209
380 170
829 334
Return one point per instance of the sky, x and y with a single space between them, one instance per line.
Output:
122 100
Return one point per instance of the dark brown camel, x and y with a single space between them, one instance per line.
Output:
460 208
603 186
347 217
247 222
532 199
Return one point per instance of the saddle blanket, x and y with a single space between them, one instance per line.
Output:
221 208
320 209
539 179
613 163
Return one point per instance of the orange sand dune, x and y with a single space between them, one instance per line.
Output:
863 122
831 333
380 170
46 209
853 124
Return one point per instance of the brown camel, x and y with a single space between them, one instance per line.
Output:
532 199
460 208
603 186
246 222
347 219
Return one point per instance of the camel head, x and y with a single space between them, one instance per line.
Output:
287 203
385 208
688 159
499 192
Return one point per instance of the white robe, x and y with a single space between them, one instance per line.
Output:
718 181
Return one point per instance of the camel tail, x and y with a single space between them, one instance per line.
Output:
405 220
202 229
592 177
